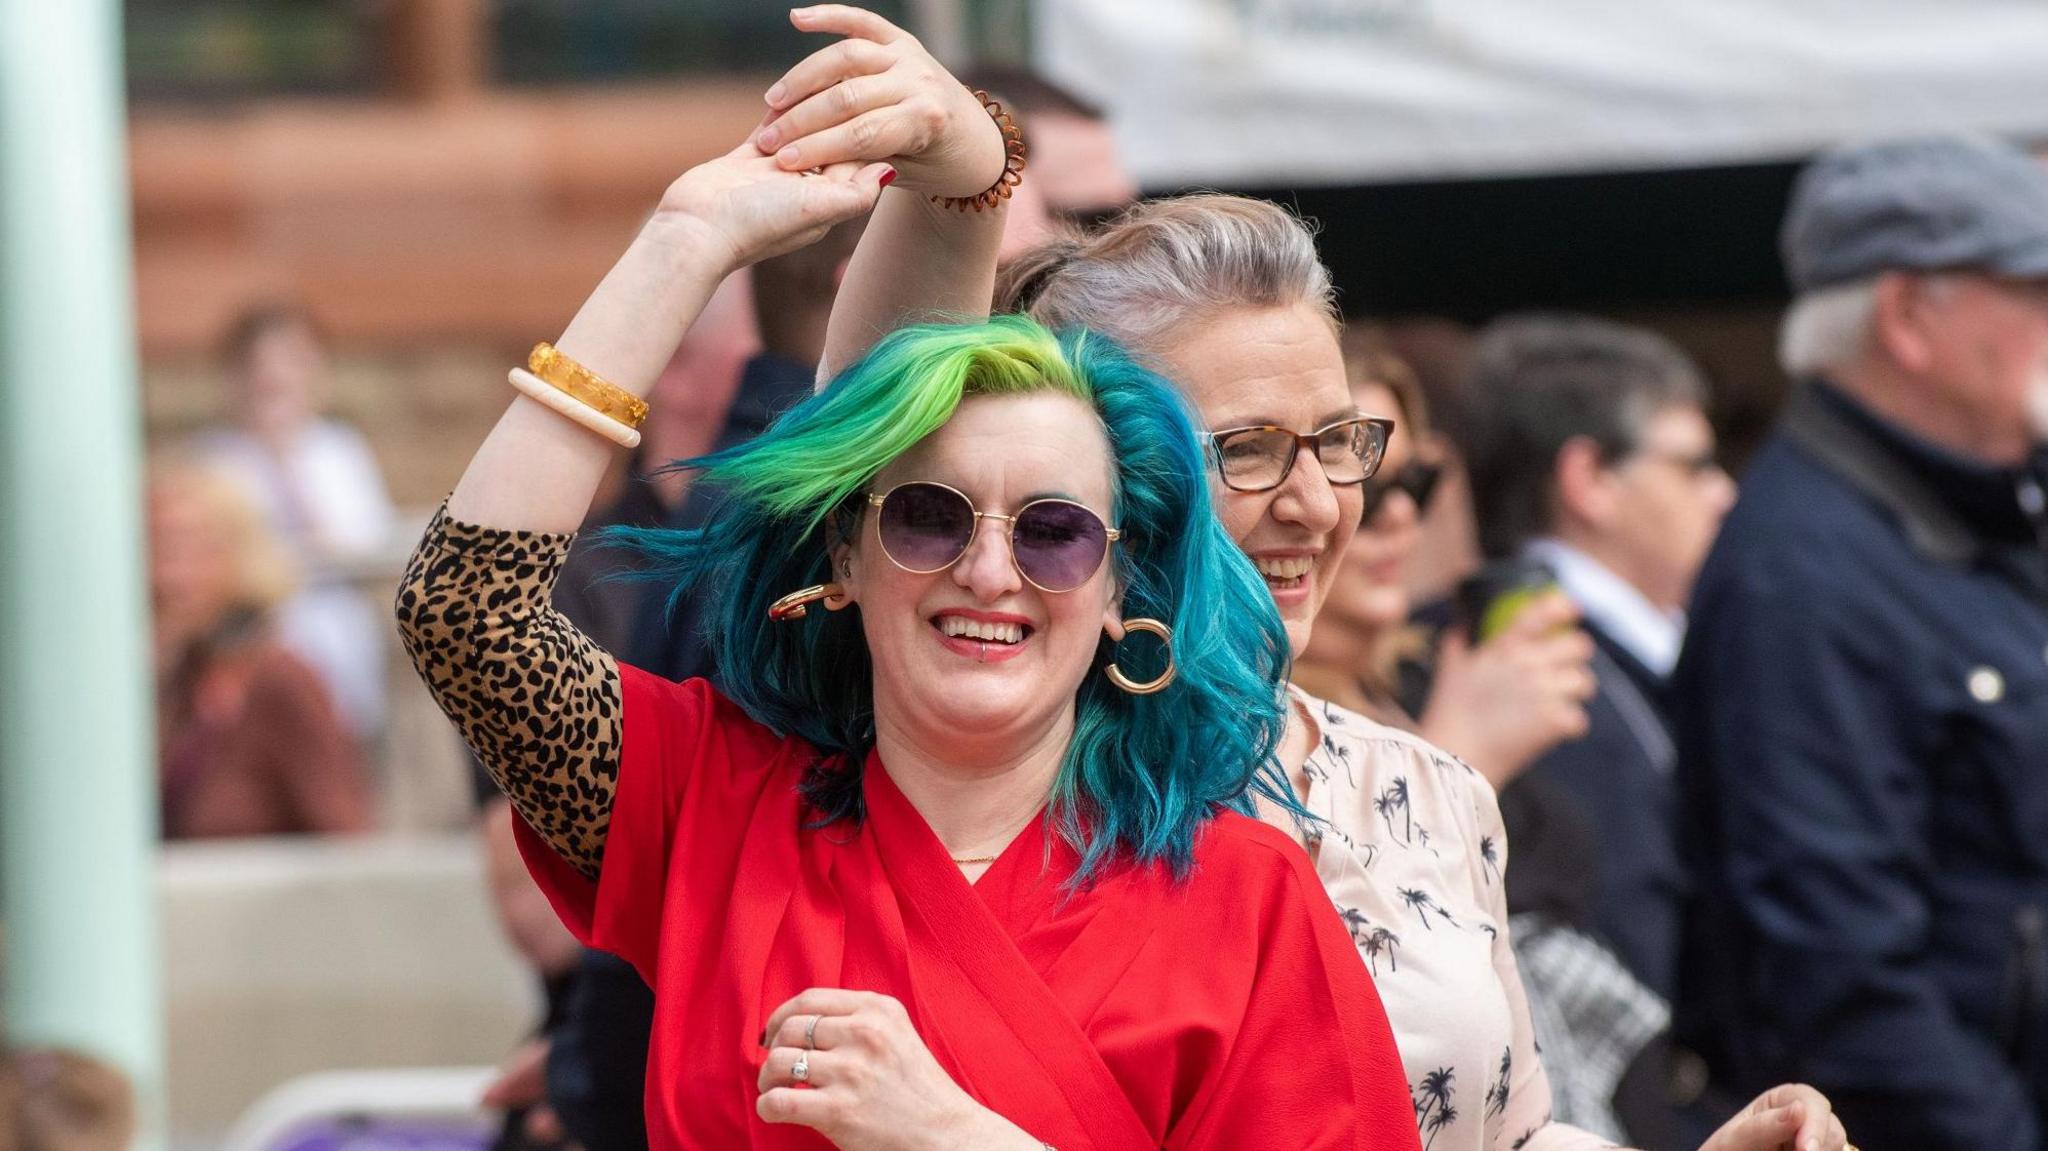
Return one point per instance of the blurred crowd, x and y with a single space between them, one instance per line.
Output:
1769 760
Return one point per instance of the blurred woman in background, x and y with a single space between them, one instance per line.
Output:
1496 705
249 740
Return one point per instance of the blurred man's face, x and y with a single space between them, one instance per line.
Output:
1075 172
1668 498
1987 347
1075 161
280 376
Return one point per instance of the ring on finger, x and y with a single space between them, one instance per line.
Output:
811 1033
801 1069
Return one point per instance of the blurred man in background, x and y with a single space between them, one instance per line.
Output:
1863 703
687 408
1593 457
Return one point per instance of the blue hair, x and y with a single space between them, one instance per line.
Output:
1142 772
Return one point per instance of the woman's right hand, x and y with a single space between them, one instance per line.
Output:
1789 1117
1502 704
744 207
875 95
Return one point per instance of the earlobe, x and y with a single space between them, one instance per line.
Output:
1113 613
1577 478
1898 320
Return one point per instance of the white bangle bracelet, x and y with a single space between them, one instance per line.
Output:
569 407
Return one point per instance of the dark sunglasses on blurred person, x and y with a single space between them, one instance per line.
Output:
1261 457
1416 477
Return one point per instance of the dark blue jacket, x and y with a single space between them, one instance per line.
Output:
1621 773
1862 719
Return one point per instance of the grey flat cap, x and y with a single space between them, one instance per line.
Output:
1926 203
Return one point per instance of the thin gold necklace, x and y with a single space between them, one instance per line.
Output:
972 860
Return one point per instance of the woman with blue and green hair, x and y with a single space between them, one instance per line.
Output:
950 859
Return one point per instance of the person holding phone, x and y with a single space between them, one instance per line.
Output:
1508 682
1591 456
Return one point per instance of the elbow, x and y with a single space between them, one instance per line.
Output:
427 622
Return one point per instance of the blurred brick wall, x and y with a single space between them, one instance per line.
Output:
435 242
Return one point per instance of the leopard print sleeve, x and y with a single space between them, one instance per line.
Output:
537 700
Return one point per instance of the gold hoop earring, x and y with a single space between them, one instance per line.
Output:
797 603
1165 634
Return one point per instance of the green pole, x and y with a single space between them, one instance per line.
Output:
77 777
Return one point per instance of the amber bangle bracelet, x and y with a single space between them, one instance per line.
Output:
586 386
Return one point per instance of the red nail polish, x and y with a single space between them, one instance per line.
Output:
888 177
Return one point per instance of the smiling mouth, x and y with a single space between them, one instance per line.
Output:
983 640
1004 633
1284 572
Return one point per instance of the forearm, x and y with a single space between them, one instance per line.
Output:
537 471
917 261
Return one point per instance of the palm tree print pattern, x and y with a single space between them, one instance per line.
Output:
1423 904
1409 813
1342 754
1434 1109
1382 940
1497 1095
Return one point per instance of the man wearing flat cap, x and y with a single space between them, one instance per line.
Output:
1863 698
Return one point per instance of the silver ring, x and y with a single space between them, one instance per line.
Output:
811 1033
801 1069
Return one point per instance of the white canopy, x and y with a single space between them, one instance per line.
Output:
1263 93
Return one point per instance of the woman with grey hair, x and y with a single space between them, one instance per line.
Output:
1227 297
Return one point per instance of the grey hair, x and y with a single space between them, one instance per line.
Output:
1827 327
1163 264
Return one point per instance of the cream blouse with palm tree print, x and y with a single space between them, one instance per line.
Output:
1412 853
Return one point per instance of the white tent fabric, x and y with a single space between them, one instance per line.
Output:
1275 92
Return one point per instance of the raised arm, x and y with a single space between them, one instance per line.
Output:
877 95
536 700
537 471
